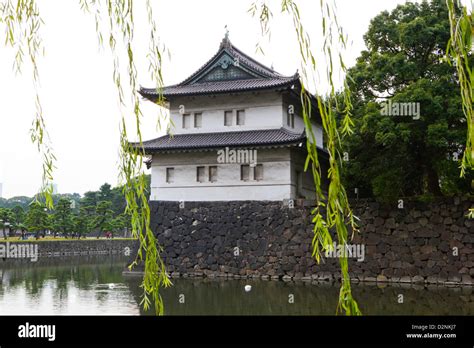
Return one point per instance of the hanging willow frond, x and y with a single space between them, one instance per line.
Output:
23 23
132 175
459 52
333 212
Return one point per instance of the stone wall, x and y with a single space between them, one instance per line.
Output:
421 242
61 248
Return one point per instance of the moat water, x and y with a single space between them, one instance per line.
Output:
78 286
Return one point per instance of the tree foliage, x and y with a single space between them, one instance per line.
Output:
72 215
83 222
104 216
393 155
6 221
37 219
62 217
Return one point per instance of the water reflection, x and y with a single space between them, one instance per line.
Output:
95 285
210 297
77 286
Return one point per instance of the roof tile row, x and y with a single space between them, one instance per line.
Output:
195 141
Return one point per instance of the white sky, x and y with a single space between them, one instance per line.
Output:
79 97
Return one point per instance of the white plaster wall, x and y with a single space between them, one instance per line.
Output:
318 134
299 125
263 110
276 183
298 159
219 193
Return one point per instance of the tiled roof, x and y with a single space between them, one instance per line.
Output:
254 76
196 141
221 87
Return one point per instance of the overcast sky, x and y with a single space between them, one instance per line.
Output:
79 97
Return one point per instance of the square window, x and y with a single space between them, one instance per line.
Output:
186 120
212 173
198 120
169 175
244 172
259 172
200 174
227 118
240 117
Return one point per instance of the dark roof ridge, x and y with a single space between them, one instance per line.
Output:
254 137
283 129
224 86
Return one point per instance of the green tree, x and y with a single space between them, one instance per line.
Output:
37 218
118 201
62 217
50 224
18 222
104 217
74 198
391 156
22 201
83 222
90 199
118 224
105 193
6 221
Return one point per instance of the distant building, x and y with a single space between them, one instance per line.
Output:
55 189
1 190
238 134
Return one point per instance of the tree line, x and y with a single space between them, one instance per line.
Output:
97 213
